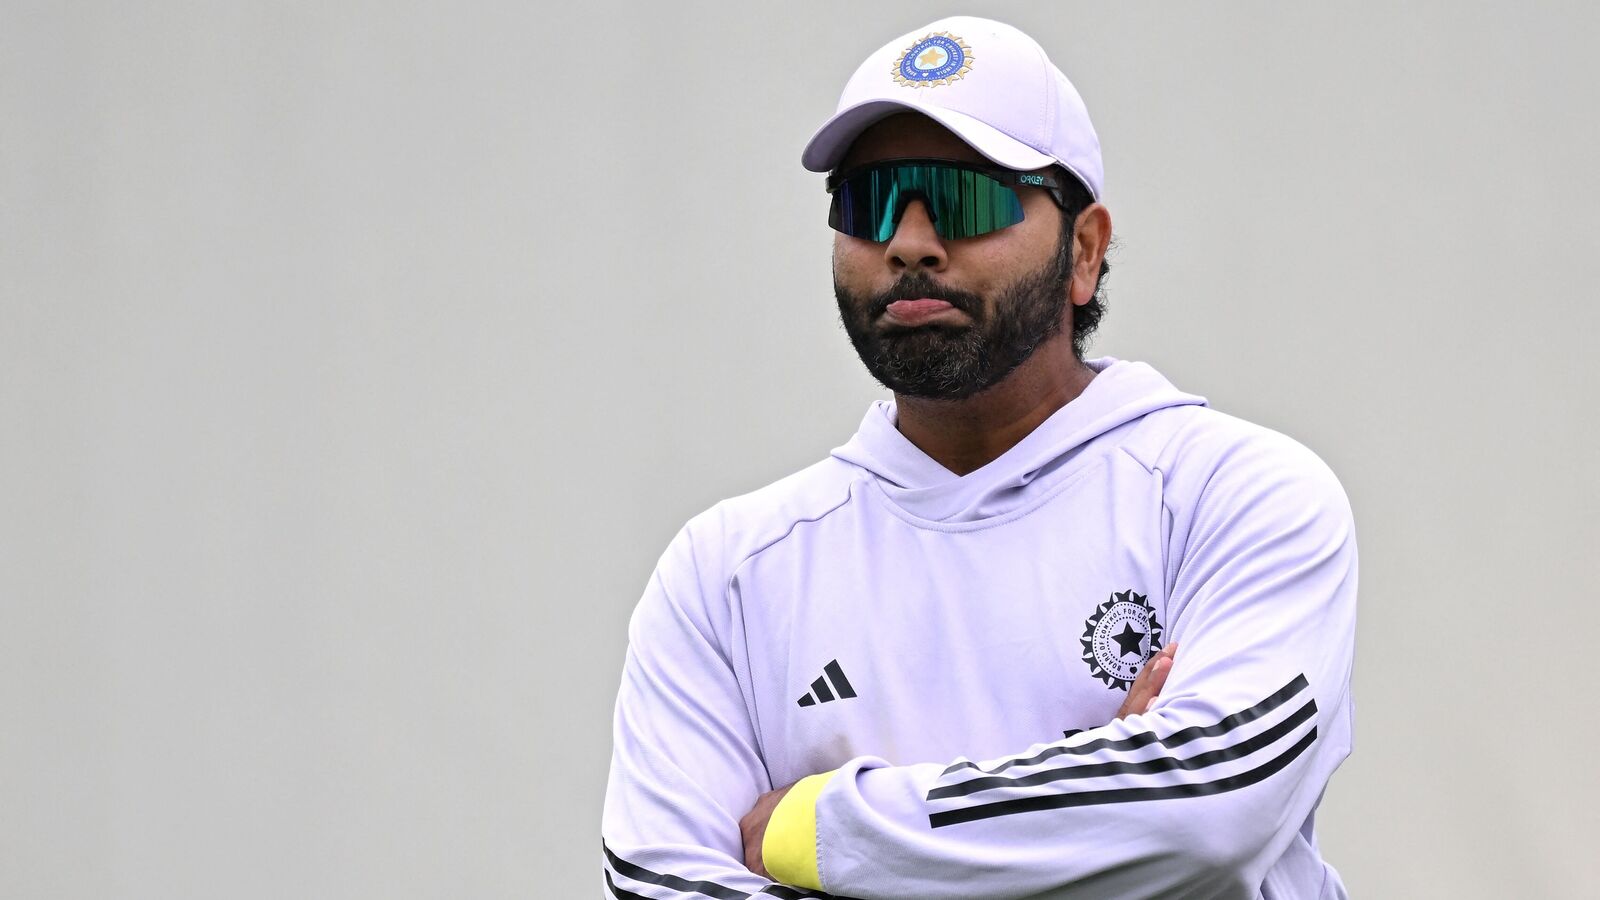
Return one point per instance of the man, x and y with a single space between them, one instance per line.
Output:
942 662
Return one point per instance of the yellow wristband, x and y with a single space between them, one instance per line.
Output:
789 848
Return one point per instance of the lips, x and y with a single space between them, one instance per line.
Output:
912 307
919 311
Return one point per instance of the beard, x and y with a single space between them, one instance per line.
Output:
954 362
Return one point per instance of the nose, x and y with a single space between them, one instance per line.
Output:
915 245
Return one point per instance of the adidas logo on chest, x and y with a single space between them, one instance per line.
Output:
831 685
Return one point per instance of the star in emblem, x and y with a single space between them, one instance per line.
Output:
1129 639
931 57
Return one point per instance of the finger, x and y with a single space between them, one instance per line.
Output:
752 854
752 857
1159 667
1147 685
1135 692
1139 693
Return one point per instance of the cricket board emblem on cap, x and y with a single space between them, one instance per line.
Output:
1118 638
939 58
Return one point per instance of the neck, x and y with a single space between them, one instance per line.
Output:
965 435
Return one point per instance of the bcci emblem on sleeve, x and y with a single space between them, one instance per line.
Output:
1119 637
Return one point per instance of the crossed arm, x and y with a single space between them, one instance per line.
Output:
1141 695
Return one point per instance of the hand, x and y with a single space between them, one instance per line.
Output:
753 827
1142 693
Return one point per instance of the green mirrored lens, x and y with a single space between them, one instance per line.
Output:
962 203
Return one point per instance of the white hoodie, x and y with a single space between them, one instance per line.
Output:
946 653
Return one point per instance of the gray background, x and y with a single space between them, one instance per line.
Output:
358 360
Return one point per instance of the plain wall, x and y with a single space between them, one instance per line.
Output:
358 360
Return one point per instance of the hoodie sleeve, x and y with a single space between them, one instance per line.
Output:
684 765
1198 797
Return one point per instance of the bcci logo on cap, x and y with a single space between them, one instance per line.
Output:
939 58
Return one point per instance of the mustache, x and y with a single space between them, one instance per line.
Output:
918 287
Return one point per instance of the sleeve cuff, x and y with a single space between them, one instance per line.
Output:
789 848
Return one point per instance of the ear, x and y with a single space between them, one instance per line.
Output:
1090 238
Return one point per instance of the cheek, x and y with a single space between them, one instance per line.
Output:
1043 224
852 259
1026 246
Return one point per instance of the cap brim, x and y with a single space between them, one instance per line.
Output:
833 139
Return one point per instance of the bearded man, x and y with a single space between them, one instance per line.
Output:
943 662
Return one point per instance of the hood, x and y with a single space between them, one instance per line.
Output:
1120 393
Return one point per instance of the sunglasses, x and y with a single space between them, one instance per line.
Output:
964 200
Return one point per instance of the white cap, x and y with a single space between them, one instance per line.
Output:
988 82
